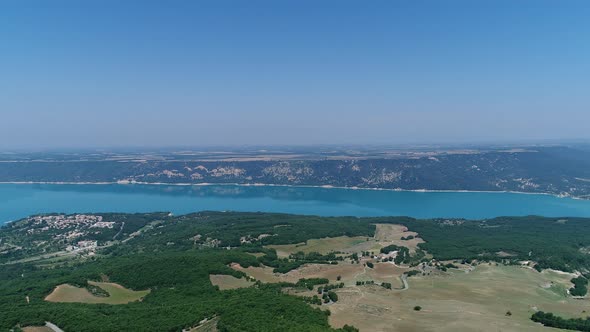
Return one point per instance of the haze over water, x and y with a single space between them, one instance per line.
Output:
21 200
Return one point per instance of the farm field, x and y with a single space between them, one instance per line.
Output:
229 282
349 273
118 294
210 325
470 298
460 301
476 300
323 246
385 234
36 329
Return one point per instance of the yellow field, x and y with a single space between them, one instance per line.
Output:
326 245
387 234
229 282
466 299
208 325
459 301
263 273
349 273
118 294
36 329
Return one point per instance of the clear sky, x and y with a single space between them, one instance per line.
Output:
161 73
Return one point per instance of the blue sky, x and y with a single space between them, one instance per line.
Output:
161 73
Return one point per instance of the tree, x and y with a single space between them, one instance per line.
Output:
333 296
580 286
348 328
417 308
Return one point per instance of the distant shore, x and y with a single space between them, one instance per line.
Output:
124 182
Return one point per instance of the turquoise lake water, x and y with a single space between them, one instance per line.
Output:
21 200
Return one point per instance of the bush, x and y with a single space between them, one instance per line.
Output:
580 286
333 296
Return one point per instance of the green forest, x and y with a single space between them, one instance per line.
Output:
174 256
550 320
556 243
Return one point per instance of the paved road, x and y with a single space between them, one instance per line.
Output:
119 232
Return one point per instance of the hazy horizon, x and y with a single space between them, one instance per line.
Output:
142 74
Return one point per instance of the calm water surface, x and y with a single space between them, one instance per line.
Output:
20 200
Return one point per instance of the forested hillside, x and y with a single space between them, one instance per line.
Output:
555 170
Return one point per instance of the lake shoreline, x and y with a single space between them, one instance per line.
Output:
203 184
19 199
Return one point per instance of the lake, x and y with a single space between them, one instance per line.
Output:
21 200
